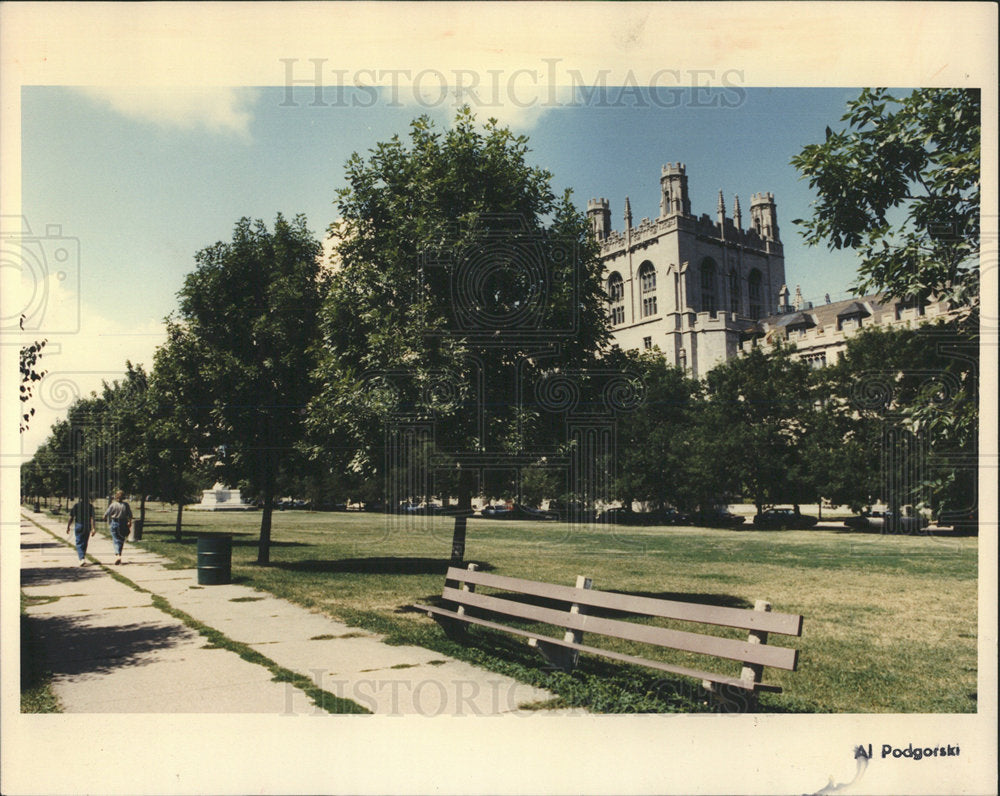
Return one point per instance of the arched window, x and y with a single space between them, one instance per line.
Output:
754 291
616 296
708 286
647 285
734 292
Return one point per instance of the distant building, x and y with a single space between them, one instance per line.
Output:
702 290
690 285
820 334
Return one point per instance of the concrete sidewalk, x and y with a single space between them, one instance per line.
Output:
111 650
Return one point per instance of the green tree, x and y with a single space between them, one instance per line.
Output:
655 440
886 438
461 280
131 420
251 307
758 416
178 403
901 187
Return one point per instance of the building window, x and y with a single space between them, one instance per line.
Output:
647 277
682 359
815 361
616 295
734 293
647 284
756 303
708 286
647 343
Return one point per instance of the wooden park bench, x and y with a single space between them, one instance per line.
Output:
754 653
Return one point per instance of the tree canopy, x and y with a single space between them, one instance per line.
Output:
250 311
460 278
900 185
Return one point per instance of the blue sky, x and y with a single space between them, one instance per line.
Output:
144 180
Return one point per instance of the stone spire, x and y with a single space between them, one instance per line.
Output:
737 215
799 301
721 209
783 299
628 214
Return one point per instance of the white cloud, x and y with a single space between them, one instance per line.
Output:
218 110
76 365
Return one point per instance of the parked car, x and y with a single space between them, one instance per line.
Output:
624 516
887 522
782 519
516 511
572 511
716 518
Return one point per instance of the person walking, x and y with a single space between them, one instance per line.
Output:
81 518
119 516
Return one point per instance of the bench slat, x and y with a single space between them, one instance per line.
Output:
619 656
764 654
770 622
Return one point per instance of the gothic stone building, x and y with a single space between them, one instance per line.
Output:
702 290
691 286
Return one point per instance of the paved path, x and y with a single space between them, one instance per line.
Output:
111 650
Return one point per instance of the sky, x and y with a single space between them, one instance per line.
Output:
121 187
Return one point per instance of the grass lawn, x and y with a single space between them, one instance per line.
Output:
36 689
890 620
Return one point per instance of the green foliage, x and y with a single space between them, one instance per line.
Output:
461 278
901 186
900 420
29 375
249 322
657 440
758 414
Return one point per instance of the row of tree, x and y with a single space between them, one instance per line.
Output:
457 344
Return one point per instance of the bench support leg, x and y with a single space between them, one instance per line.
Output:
730 699
558 657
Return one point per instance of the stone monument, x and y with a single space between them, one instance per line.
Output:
221 498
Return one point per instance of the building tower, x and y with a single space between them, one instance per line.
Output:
599 215
764 216
674 191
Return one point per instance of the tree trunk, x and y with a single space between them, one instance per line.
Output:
180 512
458 541
142 509
264 545
465 491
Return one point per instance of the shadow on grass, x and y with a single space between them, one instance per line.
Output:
374 566
927 533
239 539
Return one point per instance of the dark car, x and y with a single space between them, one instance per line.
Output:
886 521
716 518
783 519
623 516
516 512
497 512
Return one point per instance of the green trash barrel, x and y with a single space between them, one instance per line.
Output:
136 530
215 560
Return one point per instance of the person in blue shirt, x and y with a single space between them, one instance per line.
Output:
81 518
